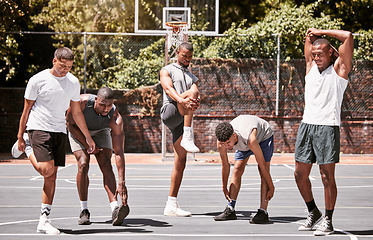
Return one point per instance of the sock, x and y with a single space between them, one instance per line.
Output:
83 205
45 210
329 213
232 204
172 199
311 205
28 151
264 210
187 128
113 204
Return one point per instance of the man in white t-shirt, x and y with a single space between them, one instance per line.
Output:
318 137
248 135
48 95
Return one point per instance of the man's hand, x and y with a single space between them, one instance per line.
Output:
91 145
122 191
270 193
191 103
21 144
226 194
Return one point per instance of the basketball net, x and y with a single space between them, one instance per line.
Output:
176 34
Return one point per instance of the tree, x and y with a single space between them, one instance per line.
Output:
260 40
15 16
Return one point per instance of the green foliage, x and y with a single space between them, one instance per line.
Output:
141 71
260 40
13 16
364 43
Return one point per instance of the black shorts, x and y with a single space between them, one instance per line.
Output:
172 118
49 146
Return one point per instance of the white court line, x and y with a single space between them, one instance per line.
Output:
348 234
58 169
293 168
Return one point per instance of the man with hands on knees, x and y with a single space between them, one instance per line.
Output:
105 125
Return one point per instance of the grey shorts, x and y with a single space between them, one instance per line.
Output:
317 143
172 118
102 139
48 146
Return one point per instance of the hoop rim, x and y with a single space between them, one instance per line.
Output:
176 24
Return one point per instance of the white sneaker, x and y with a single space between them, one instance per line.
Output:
172 209
187 142
46 227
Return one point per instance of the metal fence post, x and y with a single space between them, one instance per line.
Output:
278 74
85 62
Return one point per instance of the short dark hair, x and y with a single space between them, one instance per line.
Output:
321 41
64 53
186 46
224 131
105 93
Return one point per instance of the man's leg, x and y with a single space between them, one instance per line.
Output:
104 162
187 141
234 187
82 184
262 214
327 172
49 187
172 207
110 185
235 183
301 173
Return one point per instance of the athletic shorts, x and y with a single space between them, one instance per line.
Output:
172 118
267 149
48 146
102 139
317 143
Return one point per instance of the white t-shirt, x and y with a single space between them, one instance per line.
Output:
52 97
323 97
243 125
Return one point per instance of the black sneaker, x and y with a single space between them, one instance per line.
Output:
84 217
119 214
312 219
260 217
228 214
325 228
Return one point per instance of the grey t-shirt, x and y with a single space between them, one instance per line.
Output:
182 80
243 125
93 120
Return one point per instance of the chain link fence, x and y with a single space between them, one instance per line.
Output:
273 82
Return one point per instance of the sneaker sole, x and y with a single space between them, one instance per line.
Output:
122 214
227 219
312 228
316 233
258 222
84 223
45 232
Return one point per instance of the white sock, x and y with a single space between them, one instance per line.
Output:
187 128
113 204
83 205
45 210
28 151
172 199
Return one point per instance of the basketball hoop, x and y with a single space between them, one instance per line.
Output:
176 33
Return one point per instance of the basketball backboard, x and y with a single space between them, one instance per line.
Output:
202 16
